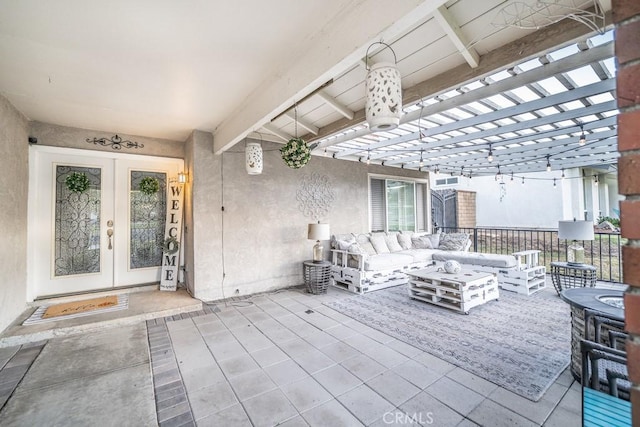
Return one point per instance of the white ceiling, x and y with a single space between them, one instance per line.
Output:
163 68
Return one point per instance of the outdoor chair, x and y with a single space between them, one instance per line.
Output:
604 379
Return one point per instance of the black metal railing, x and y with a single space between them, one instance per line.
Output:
604 252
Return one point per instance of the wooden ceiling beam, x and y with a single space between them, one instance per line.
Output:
451 27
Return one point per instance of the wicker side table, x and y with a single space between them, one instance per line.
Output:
567 276
316 276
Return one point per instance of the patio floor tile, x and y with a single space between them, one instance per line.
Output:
393 387
455 395
331 413
490 413
339 351
285 372
238 365
306 394
251 384
231 416
269 356
200 377
269 409
363 367
365 404
428 410
535 411
337 380
210 400
416 373
474 382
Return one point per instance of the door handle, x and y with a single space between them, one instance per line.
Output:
110 233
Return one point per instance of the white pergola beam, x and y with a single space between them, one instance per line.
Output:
343 42
452 29
332 102
269 127
302 123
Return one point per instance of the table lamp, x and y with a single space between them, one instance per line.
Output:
575 231
318 232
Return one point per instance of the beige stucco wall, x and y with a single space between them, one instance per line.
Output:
261 236
63 136
14 155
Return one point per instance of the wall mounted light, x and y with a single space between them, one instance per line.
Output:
183 177
383 86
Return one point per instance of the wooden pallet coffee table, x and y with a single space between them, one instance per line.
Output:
459 291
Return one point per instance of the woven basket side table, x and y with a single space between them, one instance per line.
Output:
567 276
316 276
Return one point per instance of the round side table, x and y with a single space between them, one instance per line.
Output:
316 276
567 276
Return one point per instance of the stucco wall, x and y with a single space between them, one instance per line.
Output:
63 136
14 155
262 235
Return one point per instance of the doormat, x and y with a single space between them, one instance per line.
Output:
74 309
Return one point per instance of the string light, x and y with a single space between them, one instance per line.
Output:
437 170
523 180
499 174
548 163
562 173
490 156
511 175
325 152
368 157
595 179
421 161
554 183
583 139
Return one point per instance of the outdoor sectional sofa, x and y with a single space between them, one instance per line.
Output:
368 262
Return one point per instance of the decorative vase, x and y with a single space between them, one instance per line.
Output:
253 158
452 266
383 105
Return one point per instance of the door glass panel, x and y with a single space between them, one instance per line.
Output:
77 222
147 213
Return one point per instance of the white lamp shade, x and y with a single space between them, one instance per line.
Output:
253 158
383 105
318 232
575 230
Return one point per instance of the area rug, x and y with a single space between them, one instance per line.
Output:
521 343
73 309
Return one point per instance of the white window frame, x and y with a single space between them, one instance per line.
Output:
427 198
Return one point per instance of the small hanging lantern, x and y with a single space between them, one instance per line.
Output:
253 158
383 105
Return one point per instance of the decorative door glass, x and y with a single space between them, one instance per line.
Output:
147 218
77 220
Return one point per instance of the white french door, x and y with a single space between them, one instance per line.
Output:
91 224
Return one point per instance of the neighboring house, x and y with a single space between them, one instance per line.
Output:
535 202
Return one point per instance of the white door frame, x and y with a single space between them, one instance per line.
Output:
33 201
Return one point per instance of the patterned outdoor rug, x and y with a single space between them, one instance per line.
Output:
519 342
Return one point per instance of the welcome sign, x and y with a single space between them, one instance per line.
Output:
172 238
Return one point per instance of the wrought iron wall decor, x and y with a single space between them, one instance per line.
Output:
115 142
315 196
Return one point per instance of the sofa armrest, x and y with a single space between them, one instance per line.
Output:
340 258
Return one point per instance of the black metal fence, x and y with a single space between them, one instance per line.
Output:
604 252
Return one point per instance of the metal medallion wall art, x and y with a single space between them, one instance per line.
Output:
115 142
315 196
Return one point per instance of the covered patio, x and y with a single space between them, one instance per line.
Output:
544 94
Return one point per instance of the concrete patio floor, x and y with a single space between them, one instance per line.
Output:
273 359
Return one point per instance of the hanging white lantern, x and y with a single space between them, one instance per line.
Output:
253 158
383 105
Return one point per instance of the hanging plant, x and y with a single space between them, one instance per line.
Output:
149 185
77 182
296 153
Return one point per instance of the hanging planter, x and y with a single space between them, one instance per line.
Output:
296 153
149 185
77 182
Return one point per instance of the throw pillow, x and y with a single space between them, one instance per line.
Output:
435 240
379 243
391 240
404 240
453 241
343 245
421 242
365 244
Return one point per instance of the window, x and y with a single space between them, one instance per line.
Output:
446 181
398 204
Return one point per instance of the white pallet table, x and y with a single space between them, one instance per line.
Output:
528 277
460 291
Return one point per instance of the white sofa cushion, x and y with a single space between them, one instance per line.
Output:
404 239
365 244
387 261
391 239
421 242
475 258
379 243
419 255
